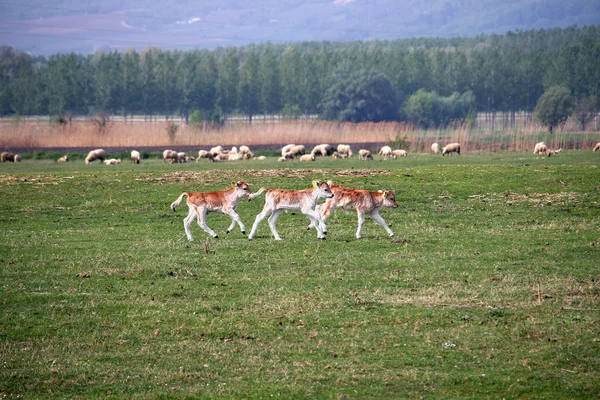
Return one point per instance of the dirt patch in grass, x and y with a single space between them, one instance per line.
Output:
221 175
536 199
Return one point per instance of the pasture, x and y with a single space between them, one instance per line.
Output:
490 287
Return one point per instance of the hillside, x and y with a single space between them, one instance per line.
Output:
85 26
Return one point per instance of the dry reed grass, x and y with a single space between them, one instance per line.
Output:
78 134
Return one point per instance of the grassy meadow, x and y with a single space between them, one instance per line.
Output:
489 289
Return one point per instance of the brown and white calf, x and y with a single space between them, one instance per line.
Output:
305 201
363 201
221 201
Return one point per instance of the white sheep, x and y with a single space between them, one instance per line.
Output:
260 158
170 155
297 150
344 150
98 154
322 149
286 148
540 148
364 155
135 156
204 154
244 150
112 161
451 148
385 151
597 147
307 157
64 158
216 150
399 153
435 148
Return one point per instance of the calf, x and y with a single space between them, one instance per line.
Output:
363 201
277 201
221 201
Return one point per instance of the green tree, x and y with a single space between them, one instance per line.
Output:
206 94
359 97
554 107
291 68
132 83
166 79
149 97
583 110
270 76
228 81
250 99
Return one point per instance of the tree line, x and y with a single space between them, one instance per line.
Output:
427 81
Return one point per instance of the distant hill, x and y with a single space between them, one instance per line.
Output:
84 26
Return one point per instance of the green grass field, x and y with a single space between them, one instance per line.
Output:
490 288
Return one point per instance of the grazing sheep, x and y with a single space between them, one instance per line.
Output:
260 158
112 161
553 152
181 157
98 154
398 153
322 149
64 158
298 150
337 155
221 157
540 148
216 150
364 155
135 157
289 155
385 151
451 148
244 150
170 155
233 150
435 148
281 159
597 147
10 157
286 148
307 157
204 154
234 156
344 150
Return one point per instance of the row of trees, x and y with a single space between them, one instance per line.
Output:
430 82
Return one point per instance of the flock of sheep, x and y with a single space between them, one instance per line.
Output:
288 152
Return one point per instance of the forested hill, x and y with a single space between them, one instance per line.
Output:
84 26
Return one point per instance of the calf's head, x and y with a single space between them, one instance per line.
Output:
323 189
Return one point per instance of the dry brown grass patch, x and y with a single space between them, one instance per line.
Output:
216 176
